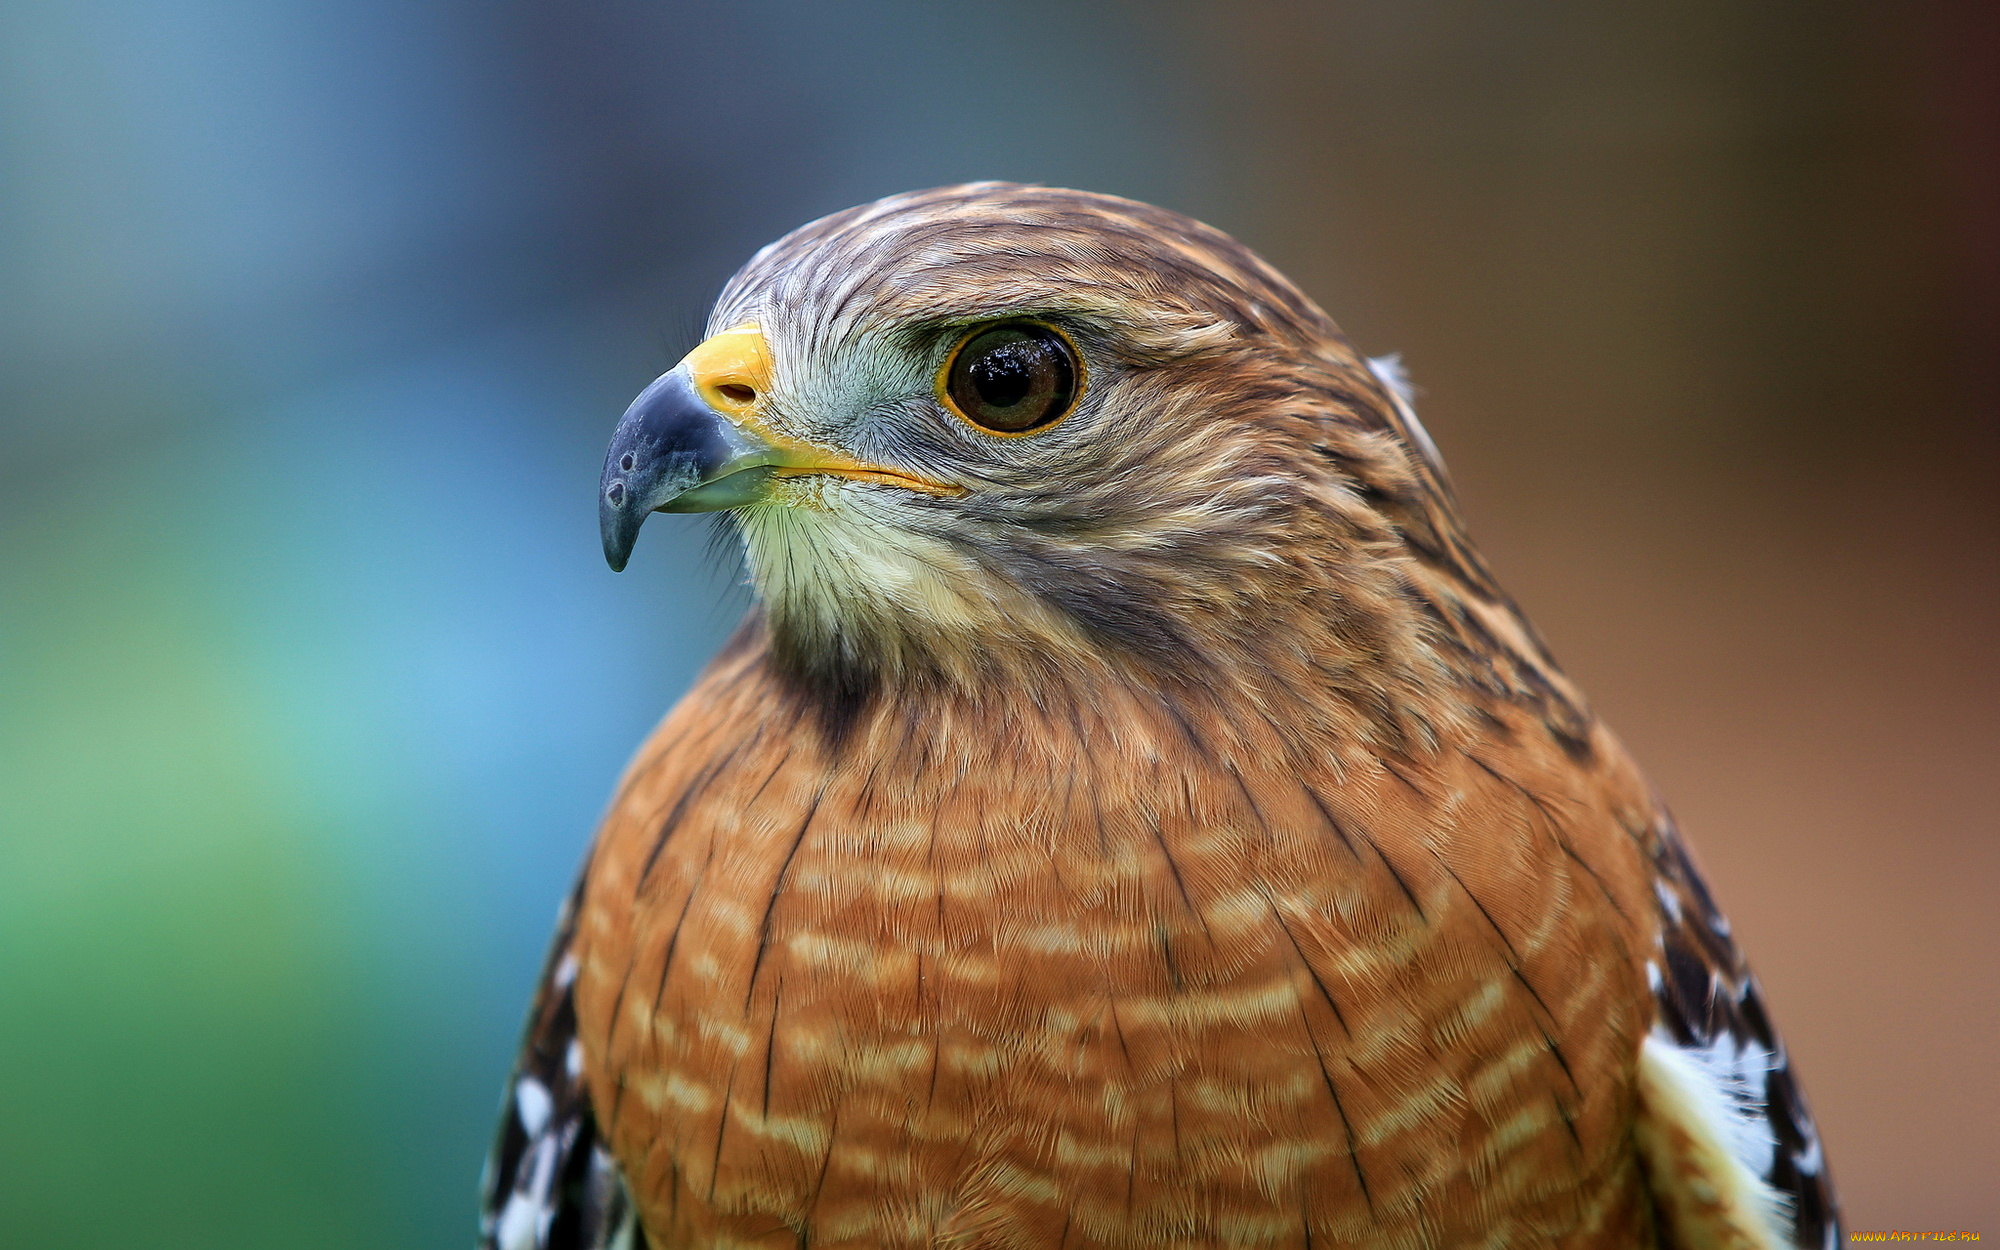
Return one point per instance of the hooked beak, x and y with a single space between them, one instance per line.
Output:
694 441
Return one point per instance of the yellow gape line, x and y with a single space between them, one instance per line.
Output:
732 374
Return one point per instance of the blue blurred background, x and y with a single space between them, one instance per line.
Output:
314 318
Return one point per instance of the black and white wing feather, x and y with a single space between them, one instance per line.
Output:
1717 1089
549 1183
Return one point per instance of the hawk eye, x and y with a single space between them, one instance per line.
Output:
1011 378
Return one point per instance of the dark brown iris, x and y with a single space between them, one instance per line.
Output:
1013 377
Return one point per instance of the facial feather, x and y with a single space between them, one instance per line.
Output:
1236 503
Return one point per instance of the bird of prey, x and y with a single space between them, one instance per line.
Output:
1131 817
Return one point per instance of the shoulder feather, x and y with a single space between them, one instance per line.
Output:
549 1183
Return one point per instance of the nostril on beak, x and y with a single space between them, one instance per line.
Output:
616 491
626 461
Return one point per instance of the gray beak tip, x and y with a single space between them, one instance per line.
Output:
618 524
670 452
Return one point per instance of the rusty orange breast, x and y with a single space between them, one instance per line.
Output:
1110 984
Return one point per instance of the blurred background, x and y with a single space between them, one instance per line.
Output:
314 318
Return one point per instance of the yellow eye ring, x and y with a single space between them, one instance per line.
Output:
1012 378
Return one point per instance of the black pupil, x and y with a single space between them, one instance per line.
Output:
1006 374
1013 377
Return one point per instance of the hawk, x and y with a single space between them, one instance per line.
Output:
1131 816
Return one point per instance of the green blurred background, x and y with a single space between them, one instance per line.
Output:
314 318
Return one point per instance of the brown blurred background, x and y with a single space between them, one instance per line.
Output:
314 317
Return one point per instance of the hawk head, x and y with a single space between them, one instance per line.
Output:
991 428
